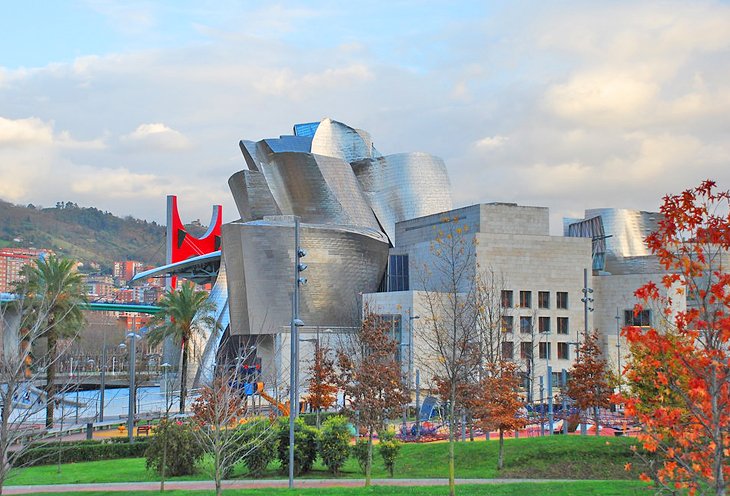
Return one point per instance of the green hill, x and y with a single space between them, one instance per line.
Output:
83 233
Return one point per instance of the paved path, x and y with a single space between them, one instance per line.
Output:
252 484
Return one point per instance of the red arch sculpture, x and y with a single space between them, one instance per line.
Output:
182 245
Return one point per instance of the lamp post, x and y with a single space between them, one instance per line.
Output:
102 382
132 387
295 324
549 381
410 348
165 367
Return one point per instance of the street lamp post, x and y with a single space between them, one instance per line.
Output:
410 349
294 349
165 367
102 382
549 382
132 387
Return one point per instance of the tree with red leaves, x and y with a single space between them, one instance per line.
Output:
588 384
371 378
680 374
499 402
322 381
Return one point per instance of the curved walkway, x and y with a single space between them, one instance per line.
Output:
253 484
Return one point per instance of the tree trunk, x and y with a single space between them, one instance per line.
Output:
164 465
218 477
595 420
500 459
716 419
183 375
452 482
51 376
369 463
318 410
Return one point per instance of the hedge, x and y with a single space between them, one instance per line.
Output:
80 451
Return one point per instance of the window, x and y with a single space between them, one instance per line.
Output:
562 299
508 350
543 324
398 273
642 319
526 299
563 353
525 325
558 379
394 327
525 350
543 350
563 327
508 323
507 299
543 299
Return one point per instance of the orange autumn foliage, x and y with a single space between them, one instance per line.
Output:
322 379
679 376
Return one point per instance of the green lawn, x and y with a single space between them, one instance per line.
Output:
557 457
592 488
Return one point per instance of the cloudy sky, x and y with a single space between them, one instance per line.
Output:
569 105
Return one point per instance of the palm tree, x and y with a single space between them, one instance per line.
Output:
53 292
184 313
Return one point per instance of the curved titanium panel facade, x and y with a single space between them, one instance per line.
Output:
335 139
259 257
252 195
628 229
321 190
205 343
404 186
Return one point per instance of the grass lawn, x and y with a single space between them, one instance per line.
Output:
556 457
592 488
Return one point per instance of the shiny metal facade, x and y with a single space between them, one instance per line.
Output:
625 231
318 189
342 263
348 197
206 342
404 186
252 195
334 139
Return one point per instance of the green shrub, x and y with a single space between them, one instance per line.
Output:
334 443
259 442
360 451
183 450
311 418
389 447
305 445
79 451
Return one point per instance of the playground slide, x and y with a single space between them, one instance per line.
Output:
283 408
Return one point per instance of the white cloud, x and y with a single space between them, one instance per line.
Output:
602 98
24 132
156 136
490 142
580 105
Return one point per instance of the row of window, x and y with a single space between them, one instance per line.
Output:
543 324
543 299
558 380
543 350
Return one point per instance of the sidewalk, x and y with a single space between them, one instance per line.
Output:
253 484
